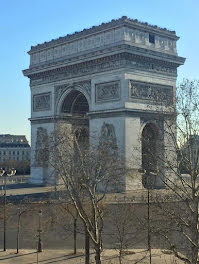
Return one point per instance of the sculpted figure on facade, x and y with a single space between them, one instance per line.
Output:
42 102
148 91
42 148
107 91
108 139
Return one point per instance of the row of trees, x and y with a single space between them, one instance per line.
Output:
61 225
184 142
88 173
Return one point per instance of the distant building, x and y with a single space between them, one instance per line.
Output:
14 148
189 154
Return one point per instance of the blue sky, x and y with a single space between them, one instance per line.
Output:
28 22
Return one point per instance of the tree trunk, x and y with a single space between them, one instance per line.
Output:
120 256
87 247
18 230
194 232
149 225
97 254
194 249
75 235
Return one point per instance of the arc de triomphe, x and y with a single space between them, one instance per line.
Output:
109 76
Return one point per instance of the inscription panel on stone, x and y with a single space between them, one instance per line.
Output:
150 91
42 102
109 91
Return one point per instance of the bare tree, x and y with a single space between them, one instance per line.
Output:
88 173
65 215
123 227
68 208
23 208
180 155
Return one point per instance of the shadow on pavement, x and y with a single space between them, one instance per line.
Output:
15 255
57 259
20 186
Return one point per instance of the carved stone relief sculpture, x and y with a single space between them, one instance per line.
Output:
42 148
42 102
148 91
107 91
108 138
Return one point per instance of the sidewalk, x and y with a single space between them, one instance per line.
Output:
66 256
45 257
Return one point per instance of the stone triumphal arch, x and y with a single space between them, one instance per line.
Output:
114 78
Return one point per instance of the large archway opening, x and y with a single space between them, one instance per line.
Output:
75 103
74 110
150 155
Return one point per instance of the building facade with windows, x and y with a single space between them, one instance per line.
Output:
118 79
14 148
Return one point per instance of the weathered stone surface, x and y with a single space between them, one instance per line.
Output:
149 91
107 91
42 102
42 148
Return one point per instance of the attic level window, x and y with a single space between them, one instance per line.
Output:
151 38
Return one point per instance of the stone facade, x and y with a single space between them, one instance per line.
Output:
125 70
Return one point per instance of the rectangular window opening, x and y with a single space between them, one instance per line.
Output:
152 38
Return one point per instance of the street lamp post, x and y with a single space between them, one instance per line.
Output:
5 173
150 185
18 226
149 223
39 248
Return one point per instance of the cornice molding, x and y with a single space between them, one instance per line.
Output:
101 114
113 62
99 53
56 119
125 111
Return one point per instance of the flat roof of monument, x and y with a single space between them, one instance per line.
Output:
123 21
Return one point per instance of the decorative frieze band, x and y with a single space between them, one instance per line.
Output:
42 102
107 91
150 91
103 64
